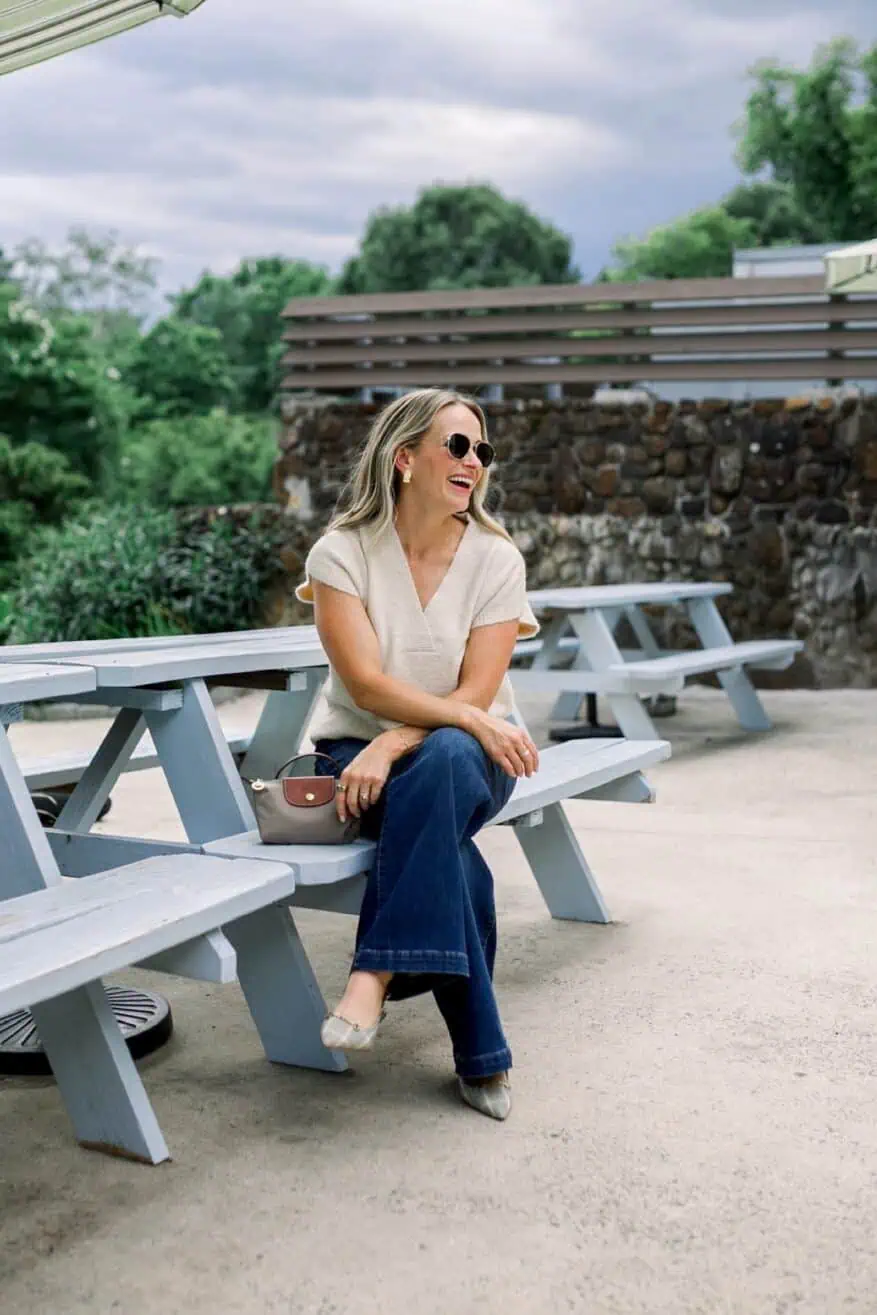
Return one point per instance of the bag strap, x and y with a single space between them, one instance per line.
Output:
295 759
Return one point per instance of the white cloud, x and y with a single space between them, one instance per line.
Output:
261 125
399 138
530 39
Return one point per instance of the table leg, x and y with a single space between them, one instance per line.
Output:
273 969
93 788
280 728
281 990
96 1075
26 859
566 705
713 633
561 870
643 631
597 643
568 885
199 767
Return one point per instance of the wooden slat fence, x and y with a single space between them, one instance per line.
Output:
573 334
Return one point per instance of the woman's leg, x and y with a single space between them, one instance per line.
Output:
428 914
363 998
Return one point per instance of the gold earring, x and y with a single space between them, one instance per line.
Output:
406 478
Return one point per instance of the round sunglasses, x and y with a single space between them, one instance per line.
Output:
458 446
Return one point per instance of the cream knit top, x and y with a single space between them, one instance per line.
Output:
485 584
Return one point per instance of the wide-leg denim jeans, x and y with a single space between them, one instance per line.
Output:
428 915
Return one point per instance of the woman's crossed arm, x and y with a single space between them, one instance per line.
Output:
352 647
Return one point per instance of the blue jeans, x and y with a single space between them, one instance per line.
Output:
428 915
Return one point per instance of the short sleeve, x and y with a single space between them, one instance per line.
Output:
504 593
336 559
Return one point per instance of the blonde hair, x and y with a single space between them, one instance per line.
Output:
372 491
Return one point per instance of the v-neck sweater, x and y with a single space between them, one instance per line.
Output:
484 584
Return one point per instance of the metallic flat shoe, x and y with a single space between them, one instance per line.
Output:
493 1099
337 1033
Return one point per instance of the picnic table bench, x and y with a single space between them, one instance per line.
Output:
609 770
218 904
599 666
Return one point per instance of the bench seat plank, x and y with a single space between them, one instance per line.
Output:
318 865
612 681
772 654
67 768
63 937
568 648
565 771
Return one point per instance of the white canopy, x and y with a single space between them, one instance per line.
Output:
852 269
33 30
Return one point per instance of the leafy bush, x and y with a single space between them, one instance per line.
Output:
131 571
218 573
55 387
37 487
205 460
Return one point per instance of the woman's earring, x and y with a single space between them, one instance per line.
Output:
406 478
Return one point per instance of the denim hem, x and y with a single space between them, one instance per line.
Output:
452 962
483 1066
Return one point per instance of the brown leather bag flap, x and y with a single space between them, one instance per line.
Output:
308 791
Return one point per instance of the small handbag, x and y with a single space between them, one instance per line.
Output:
300 810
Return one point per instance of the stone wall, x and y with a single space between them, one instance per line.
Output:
777 497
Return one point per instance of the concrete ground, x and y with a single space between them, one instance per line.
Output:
695 1122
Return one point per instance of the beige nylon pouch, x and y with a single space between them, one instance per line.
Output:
300 810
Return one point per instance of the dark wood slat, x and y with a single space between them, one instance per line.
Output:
813 312
654 371
832 340
558 294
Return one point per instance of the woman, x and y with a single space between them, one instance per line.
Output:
420 596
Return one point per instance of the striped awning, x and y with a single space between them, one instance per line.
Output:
33 30
852 269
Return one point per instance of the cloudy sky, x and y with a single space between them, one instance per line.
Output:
258 126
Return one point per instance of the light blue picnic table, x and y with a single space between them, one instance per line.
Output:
583 621
237 914
164 689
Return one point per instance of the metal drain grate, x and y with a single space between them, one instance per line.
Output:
144 1019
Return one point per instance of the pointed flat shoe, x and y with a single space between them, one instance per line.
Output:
338 1033
493 1098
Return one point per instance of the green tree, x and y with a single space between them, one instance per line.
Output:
97 279
37 487
179 369
772 210
807 145
245 308
206 460
55 387
91 274
700 245
813 130
468 236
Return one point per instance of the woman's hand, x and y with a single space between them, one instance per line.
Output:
508 746
365 777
